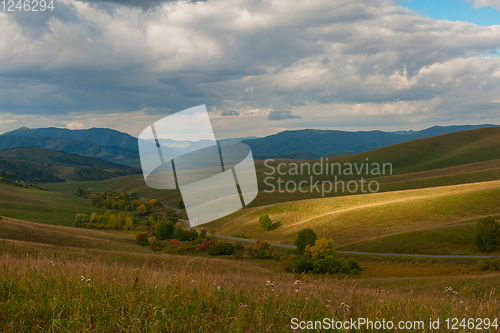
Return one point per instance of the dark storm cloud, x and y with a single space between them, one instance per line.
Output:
109 5
35 23
281 115
229 113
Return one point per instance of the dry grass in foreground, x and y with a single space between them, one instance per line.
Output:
64 295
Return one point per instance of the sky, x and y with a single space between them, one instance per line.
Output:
260 66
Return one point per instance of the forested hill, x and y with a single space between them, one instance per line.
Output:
58 157
100 136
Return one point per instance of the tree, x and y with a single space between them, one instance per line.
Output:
81 219
164 230
488 234
265 221
305 237
323 248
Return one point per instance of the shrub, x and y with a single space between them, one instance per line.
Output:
174 242
263 250
221 249
265 221
207 245
326 265
303 265
305 237
157 246
482 265
164 230
80 219
323 248
353 264
143 239
488 233
494 265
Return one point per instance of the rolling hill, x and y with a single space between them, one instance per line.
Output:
100 136
368 217
110 153
58 157
36 164
333 142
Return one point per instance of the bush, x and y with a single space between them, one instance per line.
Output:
221 249
157 246
323 248
143 239
305 237
303 265
80 219
326 265
488 233
164 230
265 221
263 250
205 246
494 265
482 265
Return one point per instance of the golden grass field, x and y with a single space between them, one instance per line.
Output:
358 218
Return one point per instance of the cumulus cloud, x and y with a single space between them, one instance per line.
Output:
484 3
281 115
346 58
229 113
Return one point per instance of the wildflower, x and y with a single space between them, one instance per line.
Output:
346 307
52 263
82 278
296 290
297 282
194 281
88 280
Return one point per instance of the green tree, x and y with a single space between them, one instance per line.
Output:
265 221
164 230
305 237
324 247
81 219
488 233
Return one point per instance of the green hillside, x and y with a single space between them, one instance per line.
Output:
126 156
101 136
357 218
42 206
58 157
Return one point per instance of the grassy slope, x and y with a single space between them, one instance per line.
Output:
42 206
357 218
131 288
133 183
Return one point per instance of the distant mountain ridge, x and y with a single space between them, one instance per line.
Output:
118 147
109 153
334 142
100 136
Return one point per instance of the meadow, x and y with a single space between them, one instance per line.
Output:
361 218
43 290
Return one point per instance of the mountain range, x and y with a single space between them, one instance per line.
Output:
318 143
118 147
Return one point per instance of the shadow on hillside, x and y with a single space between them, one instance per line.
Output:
275 226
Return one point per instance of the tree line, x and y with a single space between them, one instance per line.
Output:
27 173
